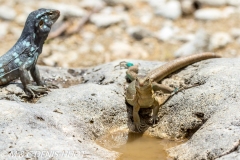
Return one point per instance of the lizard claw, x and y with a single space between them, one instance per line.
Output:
140 127
154 119
51 86
35 89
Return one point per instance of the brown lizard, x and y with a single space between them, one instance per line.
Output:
141 92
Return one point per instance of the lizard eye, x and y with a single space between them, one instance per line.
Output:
50 13
40 23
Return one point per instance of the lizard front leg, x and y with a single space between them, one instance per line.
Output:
161 95
136 118
36 77
25 79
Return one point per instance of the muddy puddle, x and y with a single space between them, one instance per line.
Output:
136 146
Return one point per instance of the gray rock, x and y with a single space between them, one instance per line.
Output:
235 32
92 3
7 13
234 155
197 45
67 10
146 18
227 11
73 118
214 2
139 32
167 32
184 37
220 2
208 14
125 3
3 29
213 140
98 48
219 40
105 20
233 2
190 6
156 3
120 49
238 41
171 9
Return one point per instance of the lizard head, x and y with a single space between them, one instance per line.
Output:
143 82
44 20
40 22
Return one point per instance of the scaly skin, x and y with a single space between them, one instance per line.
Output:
142 91
22 57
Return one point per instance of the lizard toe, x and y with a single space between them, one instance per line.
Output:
154 120
30 90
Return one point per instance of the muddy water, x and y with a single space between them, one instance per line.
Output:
144 148
136 146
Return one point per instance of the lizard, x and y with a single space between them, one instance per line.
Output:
142 91
22 57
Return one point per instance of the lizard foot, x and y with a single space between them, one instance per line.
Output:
140 126
154 119
30 90
51 86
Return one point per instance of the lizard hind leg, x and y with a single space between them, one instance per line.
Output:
137 122
30 89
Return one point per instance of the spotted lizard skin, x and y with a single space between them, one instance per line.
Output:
22 57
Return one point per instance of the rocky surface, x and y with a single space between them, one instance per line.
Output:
90 104
73 118
143 29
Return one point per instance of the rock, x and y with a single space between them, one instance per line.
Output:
139 32
7 13
197 45
189 6
184 37
214 2
167 32
44 133
233 2
21 18
124 50
67 10
213 140
126 3
208 14
219 40
156 3
71 119
146 18
104 20
84 49
233 155
227 11
92 3
238 41
98 48
88 36
3 29
171 9
235 32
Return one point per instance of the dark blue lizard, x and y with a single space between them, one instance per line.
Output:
22 57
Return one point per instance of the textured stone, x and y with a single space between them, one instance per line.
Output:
73 118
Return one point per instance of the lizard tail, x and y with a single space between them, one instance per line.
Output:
166 69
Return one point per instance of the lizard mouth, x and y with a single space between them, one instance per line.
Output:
54 15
